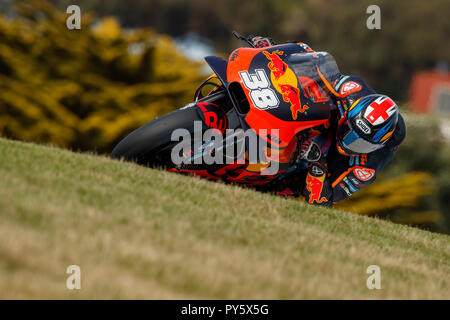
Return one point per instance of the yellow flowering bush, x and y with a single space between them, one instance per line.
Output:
85 89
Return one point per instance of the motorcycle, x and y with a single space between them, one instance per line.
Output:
266 97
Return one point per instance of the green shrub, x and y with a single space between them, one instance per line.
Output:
85 89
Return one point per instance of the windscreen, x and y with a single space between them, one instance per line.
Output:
305 65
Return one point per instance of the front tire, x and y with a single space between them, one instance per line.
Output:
151 144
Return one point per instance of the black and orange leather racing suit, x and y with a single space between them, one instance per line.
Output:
344 175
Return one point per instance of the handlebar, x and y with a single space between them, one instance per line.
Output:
245 39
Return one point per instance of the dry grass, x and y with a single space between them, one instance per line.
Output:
141 233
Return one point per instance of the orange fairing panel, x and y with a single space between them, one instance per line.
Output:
240 60
285 83
260 120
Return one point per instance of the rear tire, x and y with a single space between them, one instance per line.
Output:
151 144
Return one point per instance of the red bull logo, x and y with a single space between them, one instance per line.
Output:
292 94
285 82
315 185
276 64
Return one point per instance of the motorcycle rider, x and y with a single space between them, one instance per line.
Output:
345 155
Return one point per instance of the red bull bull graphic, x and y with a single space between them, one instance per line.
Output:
285 82
292 95
276 65
315 185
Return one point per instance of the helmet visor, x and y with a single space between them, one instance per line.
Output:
352 141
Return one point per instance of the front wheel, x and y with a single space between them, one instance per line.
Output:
151 144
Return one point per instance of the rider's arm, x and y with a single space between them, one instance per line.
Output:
362 170
317 188
348 174
354 177
345 178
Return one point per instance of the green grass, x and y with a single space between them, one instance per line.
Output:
142 233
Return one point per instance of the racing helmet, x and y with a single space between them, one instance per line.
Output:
367 125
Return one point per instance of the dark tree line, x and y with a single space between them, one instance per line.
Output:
413 33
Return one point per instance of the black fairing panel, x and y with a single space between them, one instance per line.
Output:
219 66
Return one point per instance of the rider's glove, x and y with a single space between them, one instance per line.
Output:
318 188
318 168
261 42
310 151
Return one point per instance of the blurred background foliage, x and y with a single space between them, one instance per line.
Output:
86 89
413 33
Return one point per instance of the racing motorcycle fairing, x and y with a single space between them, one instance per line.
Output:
282 86
219 66
279 87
